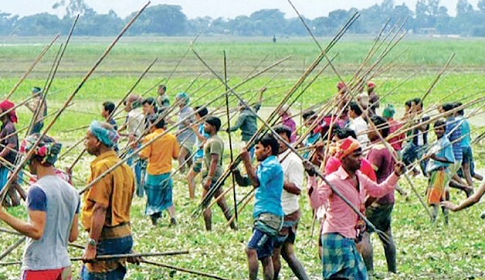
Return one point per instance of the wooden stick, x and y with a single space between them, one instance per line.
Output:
184 270
115 256
12 247
31 67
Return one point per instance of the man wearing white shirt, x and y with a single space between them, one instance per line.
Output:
293 183
358 124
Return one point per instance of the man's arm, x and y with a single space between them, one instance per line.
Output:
467 202
97 223
33 229
249 169
74 233
377 190
239 122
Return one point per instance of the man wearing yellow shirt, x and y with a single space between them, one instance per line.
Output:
106 206
158 182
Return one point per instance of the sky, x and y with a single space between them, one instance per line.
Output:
213 8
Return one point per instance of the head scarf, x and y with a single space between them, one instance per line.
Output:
388 112
340 85
6 105
346 147
184 96
371 84
105 133
47 149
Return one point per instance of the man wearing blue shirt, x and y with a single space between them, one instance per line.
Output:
268 214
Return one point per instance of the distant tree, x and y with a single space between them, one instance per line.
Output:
166 20
73 7
481 6
7 23
268 22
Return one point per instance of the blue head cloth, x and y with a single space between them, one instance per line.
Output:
107 136
184 96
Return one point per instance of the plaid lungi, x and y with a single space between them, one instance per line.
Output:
340 258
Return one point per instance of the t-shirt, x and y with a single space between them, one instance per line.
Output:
163 101
185 136
293 173
443 149
359 126
135 122
8 135
383 163
454 135
396 141
267 197
114 191
60 202
247 122
200 151
465 132
160 152
311 139
213 146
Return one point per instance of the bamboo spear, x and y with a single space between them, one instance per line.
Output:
191 271
115 256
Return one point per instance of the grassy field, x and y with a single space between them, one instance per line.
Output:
425 251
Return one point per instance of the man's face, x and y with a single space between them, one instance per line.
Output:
208 128
261 152
283 146
104 113
439 131
128 106
372 133
352 161
310 121
91 143
161 91
147 109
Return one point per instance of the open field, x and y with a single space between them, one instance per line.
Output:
425 251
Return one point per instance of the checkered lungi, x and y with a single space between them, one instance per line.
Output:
340 258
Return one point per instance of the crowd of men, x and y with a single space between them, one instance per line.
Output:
352 156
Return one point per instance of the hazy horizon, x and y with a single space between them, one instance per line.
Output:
213 8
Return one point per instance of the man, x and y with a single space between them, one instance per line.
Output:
268 214
106 207
158 183
9 146
379 211
358 124
340 257
185 136
418 143
149 108
247 120
373 98
292 186
162 99
107 113
213 156
37 104
52 207
198 129
397 140
134 124
288 121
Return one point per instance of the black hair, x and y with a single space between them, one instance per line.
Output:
149 101
439 123
109 107
283 129
418 101
447 107
157 121
201 111
409 103
381 125
214 121
308 114
163 86
345 132
269 140
355 107
460 112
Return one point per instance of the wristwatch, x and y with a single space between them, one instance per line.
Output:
92 242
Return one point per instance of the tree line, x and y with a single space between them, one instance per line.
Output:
428 17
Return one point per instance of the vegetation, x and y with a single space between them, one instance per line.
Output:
427 17
425 251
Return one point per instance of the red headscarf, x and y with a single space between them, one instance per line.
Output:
347 146
6 105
